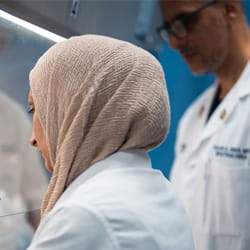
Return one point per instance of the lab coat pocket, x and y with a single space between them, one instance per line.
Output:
228 202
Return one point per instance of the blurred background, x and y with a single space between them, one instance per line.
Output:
135 21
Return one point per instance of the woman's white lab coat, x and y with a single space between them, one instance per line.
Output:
120 203
211 172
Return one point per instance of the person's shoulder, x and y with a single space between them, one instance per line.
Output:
72 212
75 225
11 109
10 103
7 100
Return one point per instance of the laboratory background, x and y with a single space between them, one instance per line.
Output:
27 29
135 21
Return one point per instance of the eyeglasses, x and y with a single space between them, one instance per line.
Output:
179 26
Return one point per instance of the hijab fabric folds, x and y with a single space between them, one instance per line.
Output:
94 96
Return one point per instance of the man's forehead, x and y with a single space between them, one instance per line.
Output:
172 8
165 3
186 1
182 3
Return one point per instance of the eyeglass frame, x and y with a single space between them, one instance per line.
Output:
183 20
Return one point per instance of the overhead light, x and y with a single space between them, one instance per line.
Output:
34 28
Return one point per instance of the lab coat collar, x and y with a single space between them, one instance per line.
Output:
240 90
244 82
133 158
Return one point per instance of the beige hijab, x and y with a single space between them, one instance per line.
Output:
94 96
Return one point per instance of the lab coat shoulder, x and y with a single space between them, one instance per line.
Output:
194 110
124 201
73 226
188 131
22 170
15 124
121 202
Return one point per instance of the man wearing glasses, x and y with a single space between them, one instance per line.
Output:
211 172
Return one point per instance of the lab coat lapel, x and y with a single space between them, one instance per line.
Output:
200 117
227 106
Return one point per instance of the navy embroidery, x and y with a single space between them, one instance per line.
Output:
232 152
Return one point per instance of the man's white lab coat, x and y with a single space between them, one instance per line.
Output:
211 172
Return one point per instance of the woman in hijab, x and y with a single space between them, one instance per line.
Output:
99 104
